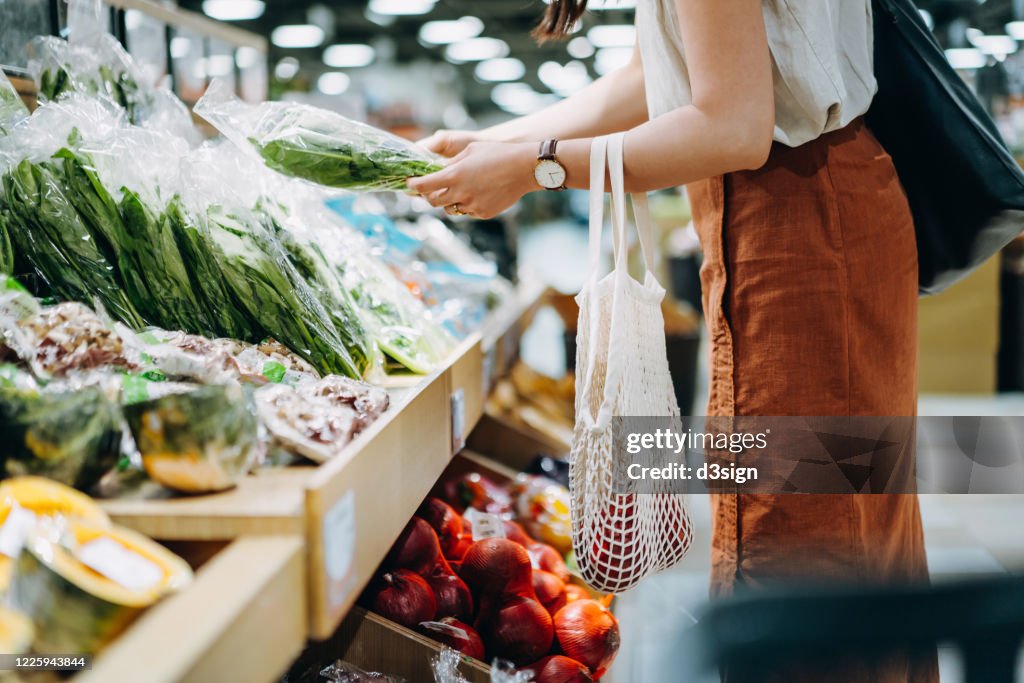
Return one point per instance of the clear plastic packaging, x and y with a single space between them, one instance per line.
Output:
314 144
199 441
92 62
12 109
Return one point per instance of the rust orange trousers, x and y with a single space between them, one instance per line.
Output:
810 293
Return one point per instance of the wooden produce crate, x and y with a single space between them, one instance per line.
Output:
352 508
374 643
241 619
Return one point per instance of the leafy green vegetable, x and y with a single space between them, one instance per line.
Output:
264 284
120 87
48 232
342 162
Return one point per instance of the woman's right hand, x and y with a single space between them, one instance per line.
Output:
449 143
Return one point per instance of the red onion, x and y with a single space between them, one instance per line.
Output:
417 548
550 590
519 631
404 597
452 594
456 635
559 669
588 632
543 556
446 523
497 565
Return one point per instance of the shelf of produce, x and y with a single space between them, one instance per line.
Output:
245 594
369 491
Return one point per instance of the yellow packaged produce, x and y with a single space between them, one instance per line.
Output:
22 499
82 584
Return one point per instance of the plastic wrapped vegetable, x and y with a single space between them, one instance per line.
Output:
71 436
92 62
12 109
199 441
314 144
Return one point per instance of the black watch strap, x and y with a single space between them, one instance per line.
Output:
547 149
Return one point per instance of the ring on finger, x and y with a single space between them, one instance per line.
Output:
456 210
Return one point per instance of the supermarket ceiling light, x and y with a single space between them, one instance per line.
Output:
580 48
498 70
475 50
965 58
247 56
180 46
333 83
219 65
349 56
233 10
1015 29
997 45
519 98
286 69
450 31
297 35
401 7
612 35
611 58
564 80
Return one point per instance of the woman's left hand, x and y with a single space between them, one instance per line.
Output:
483 180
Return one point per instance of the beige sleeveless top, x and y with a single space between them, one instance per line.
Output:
821 54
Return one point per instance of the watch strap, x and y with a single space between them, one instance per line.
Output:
547 149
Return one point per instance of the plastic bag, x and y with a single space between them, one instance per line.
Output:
12 109
446 669
343 672
199 441
314 144
92 62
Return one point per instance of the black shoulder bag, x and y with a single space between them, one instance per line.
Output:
965 189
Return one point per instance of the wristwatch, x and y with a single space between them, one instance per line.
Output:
548 172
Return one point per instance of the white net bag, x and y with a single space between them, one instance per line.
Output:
620 536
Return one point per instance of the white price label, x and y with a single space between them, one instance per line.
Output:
119 564
339 540
15 530
458 420
485 525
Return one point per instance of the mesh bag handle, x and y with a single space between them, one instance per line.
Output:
619 536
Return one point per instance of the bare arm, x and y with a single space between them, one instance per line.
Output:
611 103
727 127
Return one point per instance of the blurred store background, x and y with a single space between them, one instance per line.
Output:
413 66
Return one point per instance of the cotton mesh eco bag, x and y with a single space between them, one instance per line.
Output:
620 536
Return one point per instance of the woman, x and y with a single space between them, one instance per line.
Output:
810 264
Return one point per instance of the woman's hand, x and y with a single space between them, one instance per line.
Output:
448 143
482 180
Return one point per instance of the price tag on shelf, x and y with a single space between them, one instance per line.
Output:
485 525
458 420
119 564
339 547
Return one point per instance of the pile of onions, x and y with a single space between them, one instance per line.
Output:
508 598
588 632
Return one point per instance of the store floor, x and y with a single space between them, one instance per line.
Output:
966 536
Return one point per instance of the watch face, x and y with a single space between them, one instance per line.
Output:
549 174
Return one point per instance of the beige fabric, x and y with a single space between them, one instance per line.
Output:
821 54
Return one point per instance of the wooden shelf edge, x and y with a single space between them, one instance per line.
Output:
248 594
